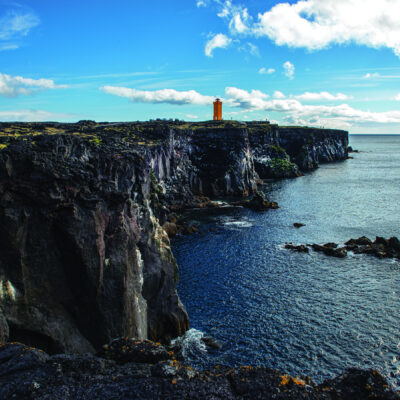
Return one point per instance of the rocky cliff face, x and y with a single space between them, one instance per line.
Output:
83 257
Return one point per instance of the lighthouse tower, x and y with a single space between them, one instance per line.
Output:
217 110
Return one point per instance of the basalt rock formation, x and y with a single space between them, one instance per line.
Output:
128 369
380 247
83 255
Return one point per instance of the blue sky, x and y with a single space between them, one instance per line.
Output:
331 63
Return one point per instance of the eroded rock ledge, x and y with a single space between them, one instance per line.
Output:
83 255
130 369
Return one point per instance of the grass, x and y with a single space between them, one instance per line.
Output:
281 164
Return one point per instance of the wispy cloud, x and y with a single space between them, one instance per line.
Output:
369 75
14 25
169 96
289 68
8 46
397 98
33 116
309 96
202 3
13 86
265 71
117 75
218 41
250 48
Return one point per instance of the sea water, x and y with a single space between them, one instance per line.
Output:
300 313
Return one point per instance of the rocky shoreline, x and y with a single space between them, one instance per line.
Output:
132 369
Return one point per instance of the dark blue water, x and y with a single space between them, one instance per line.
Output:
301 313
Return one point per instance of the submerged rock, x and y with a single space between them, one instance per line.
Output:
211 342
298 225
300 248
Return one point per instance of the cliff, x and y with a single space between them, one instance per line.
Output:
83 256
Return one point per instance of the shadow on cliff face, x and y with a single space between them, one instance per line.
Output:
34 339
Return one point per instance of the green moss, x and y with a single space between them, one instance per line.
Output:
3 146
281 164
97 141
278 149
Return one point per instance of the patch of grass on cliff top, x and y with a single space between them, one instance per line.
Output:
136 134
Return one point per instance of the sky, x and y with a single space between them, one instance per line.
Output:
323 63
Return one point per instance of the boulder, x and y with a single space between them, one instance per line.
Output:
211 342
125 350
171 229
362 241
259 202
300 248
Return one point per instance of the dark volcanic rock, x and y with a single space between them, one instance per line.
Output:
363 241
331 249
26 373
381 247
301 248
83 258
83 254
259 202
126 350
211 342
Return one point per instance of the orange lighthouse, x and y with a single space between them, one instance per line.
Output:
217 110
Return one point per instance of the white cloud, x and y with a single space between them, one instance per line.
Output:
322 96
218 41
169 96
289 69
254 100
33 116
316 24
278 95
264 71
370 76
257 101
14 25
202 3
13 86
397 98
192 116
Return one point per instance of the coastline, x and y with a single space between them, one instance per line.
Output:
120 184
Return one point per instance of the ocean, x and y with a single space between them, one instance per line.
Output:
300 313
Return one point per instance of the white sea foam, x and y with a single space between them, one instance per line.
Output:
234 223
190 342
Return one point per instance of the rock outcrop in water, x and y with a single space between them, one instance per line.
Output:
380 247
83 255
129 369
